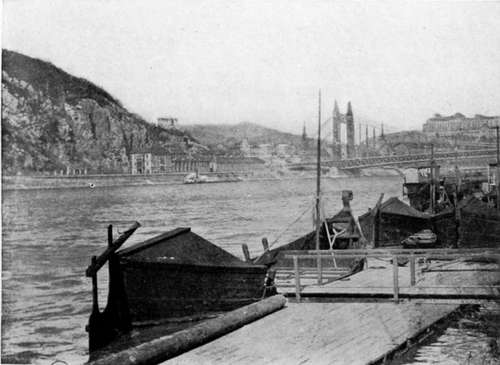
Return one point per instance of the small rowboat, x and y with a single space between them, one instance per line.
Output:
422 239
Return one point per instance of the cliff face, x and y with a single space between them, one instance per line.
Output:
52 121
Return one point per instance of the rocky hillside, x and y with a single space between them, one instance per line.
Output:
53 121
231 134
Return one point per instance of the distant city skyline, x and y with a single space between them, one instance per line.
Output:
226 62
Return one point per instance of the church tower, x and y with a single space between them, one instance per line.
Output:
349 120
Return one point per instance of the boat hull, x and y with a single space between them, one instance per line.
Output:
479 225
158 291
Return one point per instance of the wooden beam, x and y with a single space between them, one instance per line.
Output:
165 347
397 251
101 260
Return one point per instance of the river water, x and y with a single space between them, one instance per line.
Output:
49 236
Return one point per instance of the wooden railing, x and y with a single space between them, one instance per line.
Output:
414 256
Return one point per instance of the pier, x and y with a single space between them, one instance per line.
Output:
365 318
426 274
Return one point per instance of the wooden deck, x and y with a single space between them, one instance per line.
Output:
447 280
321 333
334 332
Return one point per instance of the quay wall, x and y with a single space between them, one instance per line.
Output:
105 180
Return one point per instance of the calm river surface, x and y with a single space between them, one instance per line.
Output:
50 235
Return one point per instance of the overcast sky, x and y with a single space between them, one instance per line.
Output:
264 61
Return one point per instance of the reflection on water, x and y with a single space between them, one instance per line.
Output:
472 340
50 235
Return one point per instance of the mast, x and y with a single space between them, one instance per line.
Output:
318 173
433 181
497 177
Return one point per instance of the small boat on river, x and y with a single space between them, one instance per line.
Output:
195 178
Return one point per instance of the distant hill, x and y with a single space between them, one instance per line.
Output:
231 134
52 121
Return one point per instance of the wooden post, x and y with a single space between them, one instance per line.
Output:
320 269
265 244
318 189
395 275
110 235
297 277
95 303
246 252
376 221
412 270
433 181
376 229
497 177
112 270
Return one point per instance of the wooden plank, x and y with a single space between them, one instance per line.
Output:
319 333
167 346
393 251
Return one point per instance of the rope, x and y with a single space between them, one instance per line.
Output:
291 224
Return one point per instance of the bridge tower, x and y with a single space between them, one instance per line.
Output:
349 120
336 121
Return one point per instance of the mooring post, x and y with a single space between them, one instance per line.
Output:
297 277
246 252
395 278
265 244
412 270
110 235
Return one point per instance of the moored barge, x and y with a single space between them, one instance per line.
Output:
175 275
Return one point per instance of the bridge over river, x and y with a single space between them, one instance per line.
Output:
399 160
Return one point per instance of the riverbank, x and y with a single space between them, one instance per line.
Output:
22 182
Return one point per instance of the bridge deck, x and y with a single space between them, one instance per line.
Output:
379 161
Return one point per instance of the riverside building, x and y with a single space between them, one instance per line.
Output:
458 124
